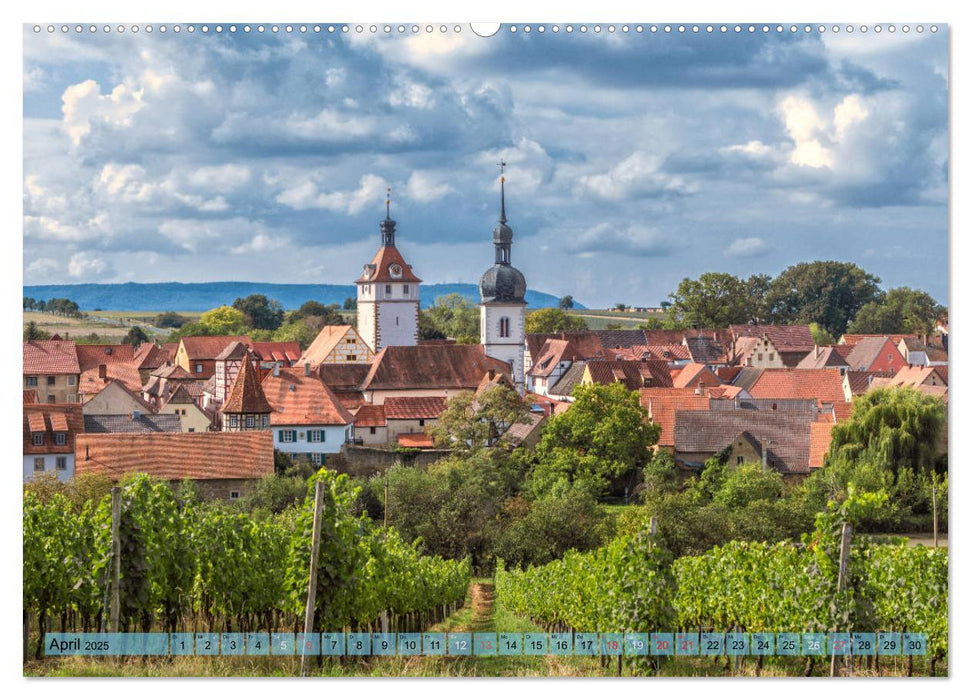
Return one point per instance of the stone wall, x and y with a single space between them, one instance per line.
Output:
358 460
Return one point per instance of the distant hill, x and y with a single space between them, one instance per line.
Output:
201 296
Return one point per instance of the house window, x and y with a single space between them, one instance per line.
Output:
38 464
315 436
889 357
318 459
233 495
771 356
739 460
233 422
266 421
404 289
198 369
62 463
71 380
352 358
60 439
51 380
50 398
387 290
421 422
374 431
250 421
287 435
191 430
31 381
760 356
38 438
503 327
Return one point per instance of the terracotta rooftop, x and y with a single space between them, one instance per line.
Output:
413 407
584 344
420 440
634 375
913 375
823 357
860 381
708 432
51 418
622 338
208 347
148 356
867 350
706 349
493 378
519 432
379 269
90 356
246 395
233 351
553 352
694 373
670 353
92 382
820 437
430 367
51 357
301 400
170 372
786 338
180 396
662 407
807 406
30 395
854 338
277 351
820 384
144 423
134 394
370 416
176 456
344 376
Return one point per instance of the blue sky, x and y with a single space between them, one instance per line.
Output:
634 160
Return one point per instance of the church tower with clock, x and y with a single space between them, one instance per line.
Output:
502 310
388 294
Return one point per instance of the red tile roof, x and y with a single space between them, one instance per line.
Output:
379 269
854 338
208 347
324 344
277 351
632 374
430 367
788 338
413 407
867 351
825 356
693 374
662 408
671 353
176 456
246 395
51 357
301 400
30 395
420 440
820 437
344 376
584 344
148 356
553 352
370 416
125 374
51 418
90 356
842 410
788 383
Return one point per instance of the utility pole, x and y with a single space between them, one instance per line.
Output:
308 620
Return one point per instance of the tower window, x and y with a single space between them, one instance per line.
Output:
404 289
387 290
504 327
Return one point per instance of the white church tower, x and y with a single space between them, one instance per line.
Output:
502 317
387 294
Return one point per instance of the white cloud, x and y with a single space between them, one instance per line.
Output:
220 178
747 247
751 148
260 243
638 175
409 93
49 229
84 105
604 237
306 195
88 266
423 187
805 128
42 267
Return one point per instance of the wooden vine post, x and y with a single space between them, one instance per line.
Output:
114 617
308 620
934 504
841 579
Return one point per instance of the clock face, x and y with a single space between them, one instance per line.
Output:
395 270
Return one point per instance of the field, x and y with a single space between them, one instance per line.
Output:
600 319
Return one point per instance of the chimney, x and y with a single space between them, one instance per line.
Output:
102 371
306 369
815 351
276 369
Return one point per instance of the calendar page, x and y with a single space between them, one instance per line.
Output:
548 349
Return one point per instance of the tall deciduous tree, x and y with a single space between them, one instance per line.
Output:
565 302
714 300
456 317
827 292
901 310
470 423
553 321
260 312
223 320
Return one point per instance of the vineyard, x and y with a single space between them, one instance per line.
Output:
633 585
185 567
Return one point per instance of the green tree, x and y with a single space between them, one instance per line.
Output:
821 336
135 336
651 324
758 288
900 310
553 321
892 428
470 422
317 315
224 320
33 332
827 292
29 303
714 300
565 302
260 312
427 329
298 331
169 319
537 532
604 437
456 317
350 304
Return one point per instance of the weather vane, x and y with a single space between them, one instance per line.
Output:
502 170
387 203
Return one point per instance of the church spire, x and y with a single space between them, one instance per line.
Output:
387 226
502 191
502 234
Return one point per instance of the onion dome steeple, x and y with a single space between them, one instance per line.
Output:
502 282
387 226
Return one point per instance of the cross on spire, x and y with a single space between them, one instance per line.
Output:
387 203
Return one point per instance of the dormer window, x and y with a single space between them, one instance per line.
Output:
38 438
